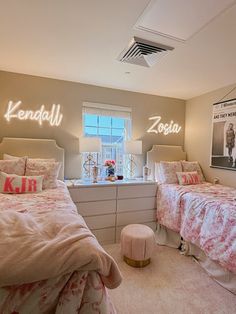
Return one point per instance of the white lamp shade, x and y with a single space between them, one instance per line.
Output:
133 147
90 145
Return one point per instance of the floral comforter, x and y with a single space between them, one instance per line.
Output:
205 215
50 262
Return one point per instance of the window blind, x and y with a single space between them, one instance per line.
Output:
107 110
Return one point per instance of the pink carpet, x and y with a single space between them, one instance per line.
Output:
171 284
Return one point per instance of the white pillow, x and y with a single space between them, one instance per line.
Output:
158 173
9 157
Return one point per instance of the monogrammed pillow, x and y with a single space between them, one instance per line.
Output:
14 184
189 166
16 166
187 178
169 169
49 170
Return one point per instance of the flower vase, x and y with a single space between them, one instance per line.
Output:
110 171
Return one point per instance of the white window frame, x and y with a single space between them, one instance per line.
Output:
111 111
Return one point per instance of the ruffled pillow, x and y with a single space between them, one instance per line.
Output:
49 170
15 166
190 166
188 178
14 184
168 171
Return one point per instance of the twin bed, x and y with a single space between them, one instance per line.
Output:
50 262
199 218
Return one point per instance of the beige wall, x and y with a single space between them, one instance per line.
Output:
35 91
198 130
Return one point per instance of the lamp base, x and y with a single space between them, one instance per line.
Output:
131 167
88 164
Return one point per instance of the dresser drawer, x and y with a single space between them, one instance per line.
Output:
132 191
93 194
96 208
136 217
152 225
102 221
105 236
134 204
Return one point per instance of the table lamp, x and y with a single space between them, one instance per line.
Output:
132 148
90 145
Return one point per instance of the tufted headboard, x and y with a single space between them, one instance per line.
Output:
163 153
34 148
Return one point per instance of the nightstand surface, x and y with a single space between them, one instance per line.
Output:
81 183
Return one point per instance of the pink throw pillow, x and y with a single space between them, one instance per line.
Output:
15 166
190 166
14 184
169 169
49 170
187 178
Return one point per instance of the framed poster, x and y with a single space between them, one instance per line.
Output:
223 153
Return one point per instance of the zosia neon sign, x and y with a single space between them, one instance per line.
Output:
165 128
53 116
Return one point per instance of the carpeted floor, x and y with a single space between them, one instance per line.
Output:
171 284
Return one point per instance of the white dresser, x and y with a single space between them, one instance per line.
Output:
109 206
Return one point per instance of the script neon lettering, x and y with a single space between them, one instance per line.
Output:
159 127
53 117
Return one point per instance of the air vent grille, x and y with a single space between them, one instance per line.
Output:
143 52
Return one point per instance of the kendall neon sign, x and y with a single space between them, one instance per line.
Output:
165 128
53 116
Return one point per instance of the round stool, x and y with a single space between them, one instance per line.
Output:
137 244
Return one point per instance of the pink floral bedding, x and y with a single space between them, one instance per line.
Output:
50 262
205 215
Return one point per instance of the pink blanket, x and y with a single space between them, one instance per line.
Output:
78 292
205 215
42 236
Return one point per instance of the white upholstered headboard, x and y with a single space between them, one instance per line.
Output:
34 148
163 153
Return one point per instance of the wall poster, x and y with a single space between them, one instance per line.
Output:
223 154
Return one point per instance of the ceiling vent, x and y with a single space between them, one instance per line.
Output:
143 52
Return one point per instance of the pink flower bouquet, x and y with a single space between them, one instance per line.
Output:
110 163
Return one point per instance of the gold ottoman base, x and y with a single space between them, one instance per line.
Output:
138 264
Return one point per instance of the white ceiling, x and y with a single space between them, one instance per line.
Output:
80 41
180 19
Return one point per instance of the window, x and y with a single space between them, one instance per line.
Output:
113 127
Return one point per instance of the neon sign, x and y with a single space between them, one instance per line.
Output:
165 128
53 117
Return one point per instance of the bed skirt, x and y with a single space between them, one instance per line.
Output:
168 237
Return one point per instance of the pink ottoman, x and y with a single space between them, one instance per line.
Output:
137 244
